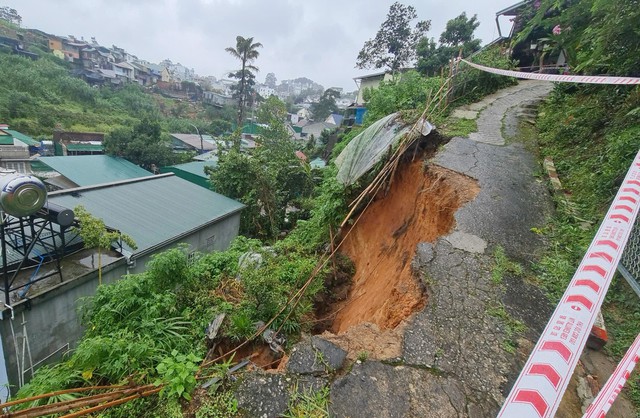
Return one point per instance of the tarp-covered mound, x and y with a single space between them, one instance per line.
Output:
370 146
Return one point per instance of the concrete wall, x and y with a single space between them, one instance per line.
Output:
51 322
216 237
51 318
371 83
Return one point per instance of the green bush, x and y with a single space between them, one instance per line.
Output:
470 85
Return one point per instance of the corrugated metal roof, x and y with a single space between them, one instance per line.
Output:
87 170
154 211
193 140
84 147
193 167
23 138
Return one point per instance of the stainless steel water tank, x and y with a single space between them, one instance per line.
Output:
21 194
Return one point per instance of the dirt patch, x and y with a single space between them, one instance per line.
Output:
261 355
419 207
367 339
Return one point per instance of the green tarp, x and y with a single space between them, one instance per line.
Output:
370 146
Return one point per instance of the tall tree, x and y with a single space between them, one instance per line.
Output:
395 43
271 80
326 105
143 145
268 181
247 52
457 36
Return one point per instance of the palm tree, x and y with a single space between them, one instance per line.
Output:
247 52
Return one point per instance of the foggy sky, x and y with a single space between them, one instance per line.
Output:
318 39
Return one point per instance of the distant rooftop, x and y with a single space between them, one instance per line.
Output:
193 140
192 171
7 135
87 170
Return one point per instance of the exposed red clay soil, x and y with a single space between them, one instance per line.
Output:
419 207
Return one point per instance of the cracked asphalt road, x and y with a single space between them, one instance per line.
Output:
457 348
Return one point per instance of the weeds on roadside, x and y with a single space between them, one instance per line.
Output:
513 327
502 265
309 404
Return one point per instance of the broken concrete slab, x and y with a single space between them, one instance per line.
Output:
464 114
315 356
374 389
467 242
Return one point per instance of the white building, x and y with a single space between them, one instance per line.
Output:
265 91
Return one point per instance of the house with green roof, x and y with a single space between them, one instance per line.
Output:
159 212
15 138
16 149
90 170
192 171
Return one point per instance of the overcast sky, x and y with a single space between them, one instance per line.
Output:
318 39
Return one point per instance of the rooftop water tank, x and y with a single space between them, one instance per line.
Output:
21 194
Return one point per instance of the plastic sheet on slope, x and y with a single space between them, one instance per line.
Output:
370 146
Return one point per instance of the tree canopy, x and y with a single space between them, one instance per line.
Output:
457 36
326 106
143 145
395 43
247 52
269 180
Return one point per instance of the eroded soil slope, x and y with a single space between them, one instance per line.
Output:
419 207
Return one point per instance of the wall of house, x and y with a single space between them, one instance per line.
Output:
372 83
216 237
49 322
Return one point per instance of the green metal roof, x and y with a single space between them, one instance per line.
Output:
155 211
23 138
84 147
192 171
252 128
297 129
87 170
194 167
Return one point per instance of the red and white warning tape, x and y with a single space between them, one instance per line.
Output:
601 404
559 78
545 376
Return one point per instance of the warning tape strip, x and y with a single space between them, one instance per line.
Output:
545 376
601 404
630 81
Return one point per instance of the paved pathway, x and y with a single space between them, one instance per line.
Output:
459 343
460 355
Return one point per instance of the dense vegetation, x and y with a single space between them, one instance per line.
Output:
592 133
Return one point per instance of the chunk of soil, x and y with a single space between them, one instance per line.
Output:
419 207
367 339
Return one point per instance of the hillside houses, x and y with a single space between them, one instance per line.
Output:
98 64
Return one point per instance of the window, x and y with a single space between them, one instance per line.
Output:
191 258
210 242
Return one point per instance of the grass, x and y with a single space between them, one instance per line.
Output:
513 327
309 404
502 266
459 127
